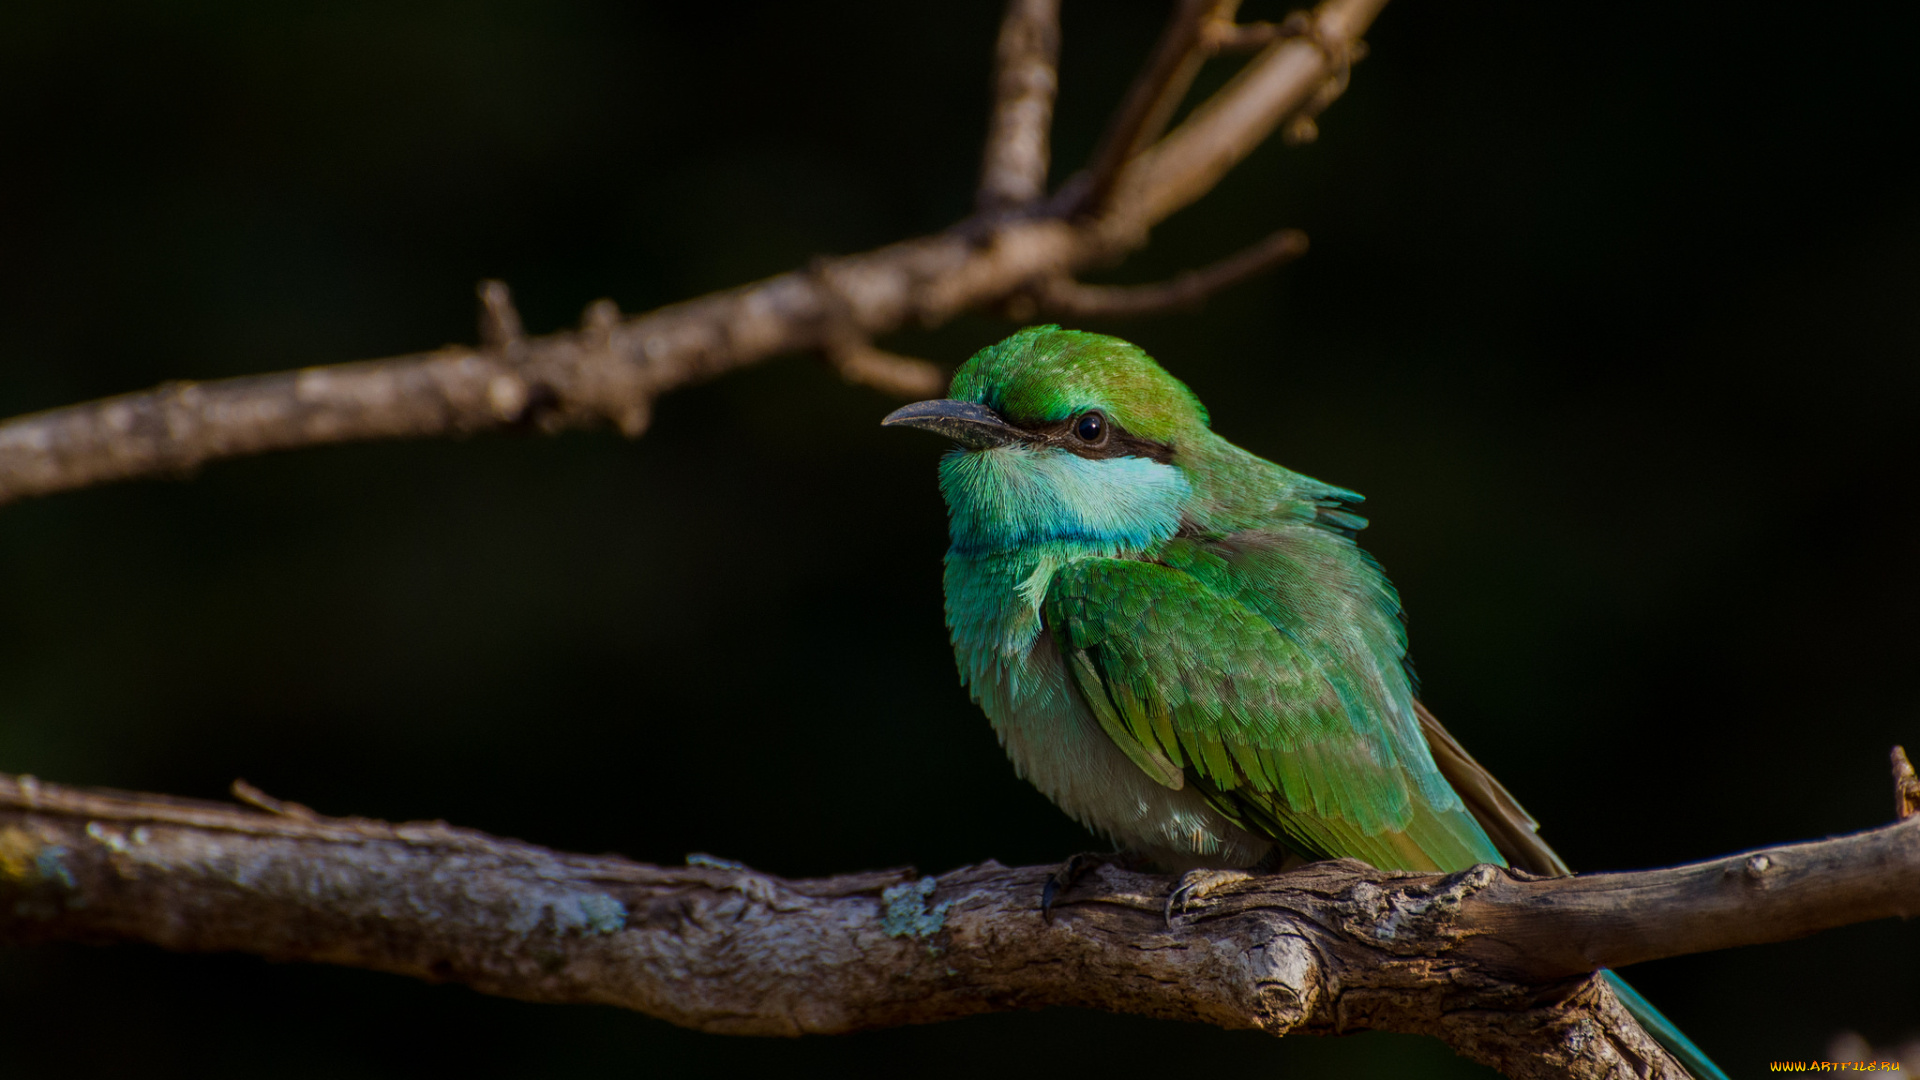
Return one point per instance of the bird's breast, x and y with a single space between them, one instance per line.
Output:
1015 671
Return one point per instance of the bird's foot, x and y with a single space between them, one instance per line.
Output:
1078 866
1198 885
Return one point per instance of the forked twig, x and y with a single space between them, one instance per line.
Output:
1150 102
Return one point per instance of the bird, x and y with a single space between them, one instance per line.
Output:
1184 646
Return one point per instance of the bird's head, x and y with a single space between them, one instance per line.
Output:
1064 436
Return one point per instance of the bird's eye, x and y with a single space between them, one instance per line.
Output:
1091 427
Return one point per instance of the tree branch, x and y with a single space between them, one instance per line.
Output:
1226 36
890 373
614 368
1150 102
1906 786
1291 74
1494 962
1072 299
500 327
1026 75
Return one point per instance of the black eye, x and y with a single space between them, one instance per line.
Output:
1091 427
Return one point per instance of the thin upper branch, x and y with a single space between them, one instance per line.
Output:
614 368
1226 36
1026 76
890 373
1072 299
1493 962
1288 75
1151 100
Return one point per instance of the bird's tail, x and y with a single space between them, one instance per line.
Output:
1662 1029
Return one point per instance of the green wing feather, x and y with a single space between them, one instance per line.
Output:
1202 671
1196 683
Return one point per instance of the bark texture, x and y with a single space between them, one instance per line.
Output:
1496 963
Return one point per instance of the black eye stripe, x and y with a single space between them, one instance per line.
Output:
1112 441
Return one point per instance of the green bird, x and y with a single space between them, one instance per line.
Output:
1182 645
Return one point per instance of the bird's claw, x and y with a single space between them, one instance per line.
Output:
1195 885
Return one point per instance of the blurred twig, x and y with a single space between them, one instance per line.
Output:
1492 961
1013 170
1064 298
1150 102
613 368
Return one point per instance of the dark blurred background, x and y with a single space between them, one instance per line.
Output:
1613 312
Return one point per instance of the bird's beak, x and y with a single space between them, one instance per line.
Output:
971 425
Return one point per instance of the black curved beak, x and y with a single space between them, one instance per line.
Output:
971 425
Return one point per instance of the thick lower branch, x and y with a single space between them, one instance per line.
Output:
1471 958
1561 926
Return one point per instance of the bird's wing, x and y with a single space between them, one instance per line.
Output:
1195 684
